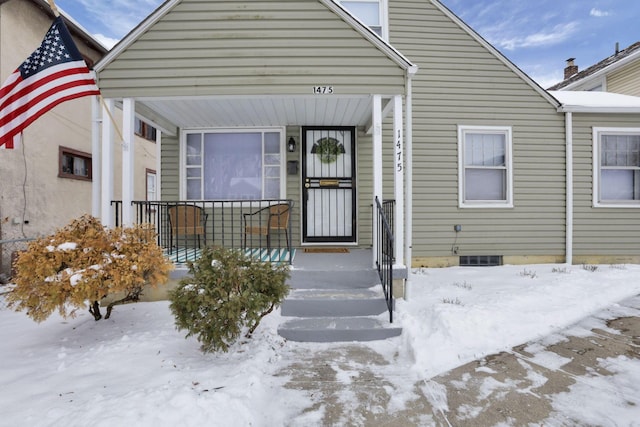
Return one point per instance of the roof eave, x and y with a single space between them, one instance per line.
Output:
603 71
496 52
135 33
385 47
598 110
372 37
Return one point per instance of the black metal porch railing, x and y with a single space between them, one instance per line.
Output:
261 227
384 255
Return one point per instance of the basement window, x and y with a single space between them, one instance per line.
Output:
480 260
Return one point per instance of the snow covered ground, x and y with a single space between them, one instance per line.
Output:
136 369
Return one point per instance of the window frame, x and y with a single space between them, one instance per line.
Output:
154 195
597 168
507 131
145 130
383 11
66 151
263 130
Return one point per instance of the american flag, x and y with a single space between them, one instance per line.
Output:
55 72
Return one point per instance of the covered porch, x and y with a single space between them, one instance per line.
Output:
378 133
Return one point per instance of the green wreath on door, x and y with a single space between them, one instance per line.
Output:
328 149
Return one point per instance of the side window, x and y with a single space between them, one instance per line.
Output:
616 167
74 164
145 130
485 175
372 13
151 187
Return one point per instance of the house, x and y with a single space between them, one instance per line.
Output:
49 178
618 73
329 107
601 105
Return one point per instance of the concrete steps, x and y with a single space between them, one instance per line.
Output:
335 301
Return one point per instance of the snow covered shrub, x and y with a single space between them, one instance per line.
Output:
226 293
83 263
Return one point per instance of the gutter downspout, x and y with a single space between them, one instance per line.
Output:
408 212
569 191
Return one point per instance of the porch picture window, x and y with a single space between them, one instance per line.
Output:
617 167
240 165
371 12
485 166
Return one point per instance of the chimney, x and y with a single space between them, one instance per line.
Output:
570 69
617 48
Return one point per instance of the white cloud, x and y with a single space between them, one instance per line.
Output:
557 35
599 13
107 42
123 15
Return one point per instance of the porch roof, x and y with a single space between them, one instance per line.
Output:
170 114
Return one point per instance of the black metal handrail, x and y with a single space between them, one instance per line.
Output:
384 254
185 226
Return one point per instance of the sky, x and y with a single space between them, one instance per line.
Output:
538 36
136 369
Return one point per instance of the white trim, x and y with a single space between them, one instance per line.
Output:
569 189
133 35
501 130
128 160
107 163
391 52
408 252
377 166
161 11
399 147
383 15
262 129
96 158
597 131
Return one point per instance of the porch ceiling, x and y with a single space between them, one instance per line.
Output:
321 110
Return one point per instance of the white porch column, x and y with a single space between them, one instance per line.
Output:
398 249
377 165
128 159
96 165
107 164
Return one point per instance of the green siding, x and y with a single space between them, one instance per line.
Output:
460 82
625 80
249 48
600 231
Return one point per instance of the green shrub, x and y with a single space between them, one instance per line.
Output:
86 262
226 293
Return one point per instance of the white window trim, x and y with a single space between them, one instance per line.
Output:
597 131
384 15
502 204
183 156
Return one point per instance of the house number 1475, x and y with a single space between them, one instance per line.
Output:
323 90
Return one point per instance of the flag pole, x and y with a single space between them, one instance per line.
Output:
54 8
56 13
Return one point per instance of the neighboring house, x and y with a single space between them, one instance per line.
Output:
619 73
602 103
416 107
47 180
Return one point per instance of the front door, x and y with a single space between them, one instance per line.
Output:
329 190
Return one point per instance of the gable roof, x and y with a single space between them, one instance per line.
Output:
506 61
607 65
168 5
